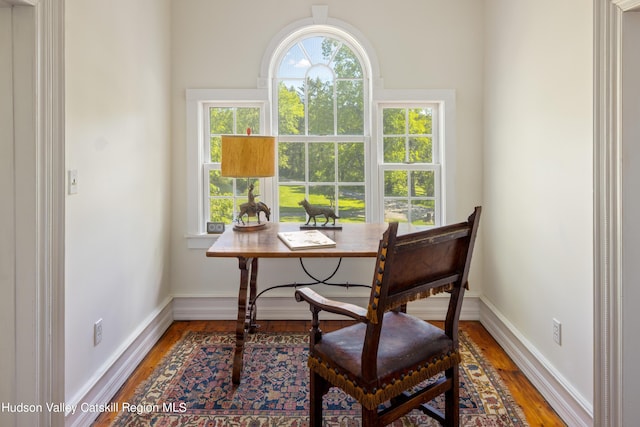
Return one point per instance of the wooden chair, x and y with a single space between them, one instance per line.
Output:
388 352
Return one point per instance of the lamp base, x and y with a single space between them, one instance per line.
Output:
250 227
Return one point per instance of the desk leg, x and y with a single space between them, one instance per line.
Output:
253 291
242 324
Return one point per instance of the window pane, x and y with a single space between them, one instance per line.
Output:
420 150
319 49
320 101
422 184
221 120
215 148
423 212
221 210
291 107
394 121
219 186
420 121
322 165
396 184
351 162
248 118
290 210
291 163
396 210
346 64
394 149
294 64
322 195
350 107
351 203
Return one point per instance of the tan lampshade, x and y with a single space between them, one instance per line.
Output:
245 156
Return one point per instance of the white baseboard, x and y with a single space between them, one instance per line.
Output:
286 308
563 398
105 383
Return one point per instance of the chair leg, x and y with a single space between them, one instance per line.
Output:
452 399
370 418
318 387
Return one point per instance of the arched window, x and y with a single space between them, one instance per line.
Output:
321 100
371 154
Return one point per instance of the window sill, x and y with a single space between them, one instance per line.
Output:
201 241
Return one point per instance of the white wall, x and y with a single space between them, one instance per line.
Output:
420 45
538 180
630 214
118 138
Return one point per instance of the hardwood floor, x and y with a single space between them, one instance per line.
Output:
536 409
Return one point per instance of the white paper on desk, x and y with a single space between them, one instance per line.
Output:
306 239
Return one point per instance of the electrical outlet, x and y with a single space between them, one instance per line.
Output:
97 332
557 331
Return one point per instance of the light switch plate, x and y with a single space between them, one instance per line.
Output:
73 181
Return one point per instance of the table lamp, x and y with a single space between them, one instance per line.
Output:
249 156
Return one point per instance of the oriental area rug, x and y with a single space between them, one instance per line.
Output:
192 387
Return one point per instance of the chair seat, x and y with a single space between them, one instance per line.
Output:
405 344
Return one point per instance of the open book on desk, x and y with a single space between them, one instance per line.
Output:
306 239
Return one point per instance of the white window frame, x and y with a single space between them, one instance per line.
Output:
435 166
197 143
207 164
444 147
197 202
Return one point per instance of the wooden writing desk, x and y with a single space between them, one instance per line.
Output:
353 241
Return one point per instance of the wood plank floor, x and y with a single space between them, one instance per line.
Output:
536 409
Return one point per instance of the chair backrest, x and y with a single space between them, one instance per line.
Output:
416 265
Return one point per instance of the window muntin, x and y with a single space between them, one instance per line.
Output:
224 195
321 128
410 167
